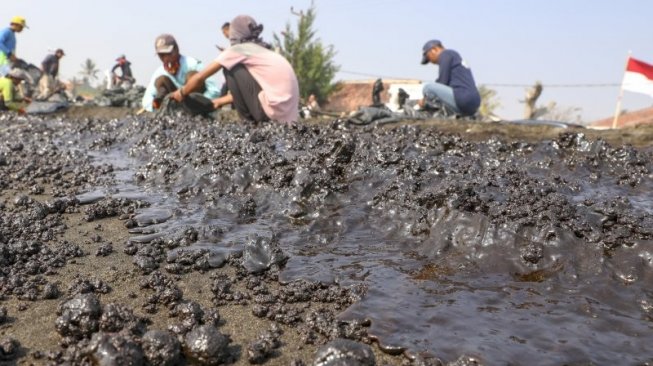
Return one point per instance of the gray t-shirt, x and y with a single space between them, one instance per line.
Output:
51 65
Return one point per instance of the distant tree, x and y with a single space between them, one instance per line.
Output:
89 71
313 62
489 102
554 112
532 94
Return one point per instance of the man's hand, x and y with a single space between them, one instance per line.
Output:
217 103
13 58
176 95
420 103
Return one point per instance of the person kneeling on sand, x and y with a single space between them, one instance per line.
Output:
455 86
126 79
49 84
10 100
262 84
173 74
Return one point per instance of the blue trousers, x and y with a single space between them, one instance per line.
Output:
442 92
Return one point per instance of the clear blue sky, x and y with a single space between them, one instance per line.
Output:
504 41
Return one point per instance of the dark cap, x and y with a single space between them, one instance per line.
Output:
165 43
59 50
427 47
121 57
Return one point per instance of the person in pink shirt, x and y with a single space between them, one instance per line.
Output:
262 84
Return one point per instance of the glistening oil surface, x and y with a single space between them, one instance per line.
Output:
505 251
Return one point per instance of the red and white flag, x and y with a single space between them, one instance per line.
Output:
638 77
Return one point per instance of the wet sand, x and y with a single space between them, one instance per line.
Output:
33 325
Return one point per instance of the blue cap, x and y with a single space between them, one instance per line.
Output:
427 47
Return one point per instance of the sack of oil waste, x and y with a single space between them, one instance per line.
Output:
45 107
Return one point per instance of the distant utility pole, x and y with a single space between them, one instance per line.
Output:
617 112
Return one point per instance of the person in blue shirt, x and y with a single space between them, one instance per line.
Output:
455 86
175 70
8 43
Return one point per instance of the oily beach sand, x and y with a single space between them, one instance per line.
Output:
32 323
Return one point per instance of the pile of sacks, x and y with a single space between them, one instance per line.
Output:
60 95
30 87
380 114
119 97
55 97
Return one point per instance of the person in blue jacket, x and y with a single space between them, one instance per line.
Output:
455 86
174 72
8 43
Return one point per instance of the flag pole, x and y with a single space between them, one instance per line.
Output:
621 95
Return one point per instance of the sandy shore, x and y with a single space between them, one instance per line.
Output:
638 136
